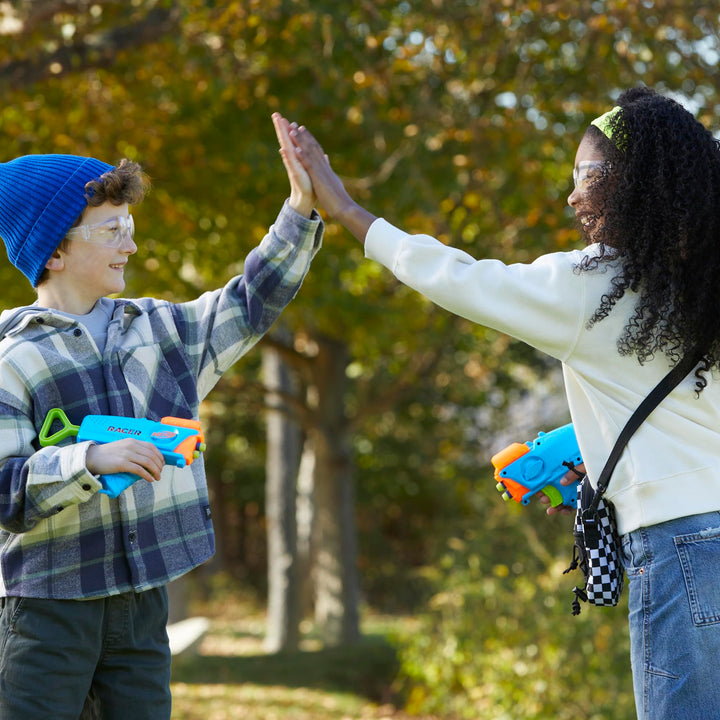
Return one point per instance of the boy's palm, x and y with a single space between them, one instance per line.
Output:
302 195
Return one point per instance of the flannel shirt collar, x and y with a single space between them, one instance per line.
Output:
16 320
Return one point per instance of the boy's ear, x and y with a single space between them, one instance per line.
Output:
55 262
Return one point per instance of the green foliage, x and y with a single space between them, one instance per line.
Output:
454 117
231 676
498 640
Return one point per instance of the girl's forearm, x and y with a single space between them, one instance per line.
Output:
356 219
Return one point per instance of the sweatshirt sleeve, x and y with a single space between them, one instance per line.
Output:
541 303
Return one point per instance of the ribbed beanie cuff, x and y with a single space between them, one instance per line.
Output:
41 197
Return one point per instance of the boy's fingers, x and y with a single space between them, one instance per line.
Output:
282 130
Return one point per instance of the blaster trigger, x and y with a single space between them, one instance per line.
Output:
554 495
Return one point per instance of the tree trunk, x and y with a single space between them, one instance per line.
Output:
306 540
335 571
177 600
283 449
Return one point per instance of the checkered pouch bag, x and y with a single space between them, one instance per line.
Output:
597 551
597 544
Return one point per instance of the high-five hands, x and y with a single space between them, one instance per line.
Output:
328 187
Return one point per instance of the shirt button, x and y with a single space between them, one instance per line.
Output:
131 536
77 332
86 486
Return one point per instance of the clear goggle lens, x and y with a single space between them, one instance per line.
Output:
113 233
589 171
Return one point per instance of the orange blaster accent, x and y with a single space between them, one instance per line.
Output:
191 447
509 487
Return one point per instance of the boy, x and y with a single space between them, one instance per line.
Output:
83 604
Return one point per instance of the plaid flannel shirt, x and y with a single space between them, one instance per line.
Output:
59 537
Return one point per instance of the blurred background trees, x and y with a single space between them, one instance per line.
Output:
455 117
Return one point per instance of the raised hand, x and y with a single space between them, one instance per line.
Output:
328 187
302 196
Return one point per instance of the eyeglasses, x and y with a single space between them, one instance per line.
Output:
588 171
112 233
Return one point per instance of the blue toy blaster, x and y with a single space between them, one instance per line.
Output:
179 440
524 469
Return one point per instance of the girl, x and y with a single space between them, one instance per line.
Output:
618 314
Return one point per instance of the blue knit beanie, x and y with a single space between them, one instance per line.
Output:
41 197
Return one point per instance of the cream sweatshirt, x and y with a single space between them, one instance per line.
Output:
671 466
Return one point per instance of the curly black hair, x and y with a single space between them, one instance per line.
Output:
660 229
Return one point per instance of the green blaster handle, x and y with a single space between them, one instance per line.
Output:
179 440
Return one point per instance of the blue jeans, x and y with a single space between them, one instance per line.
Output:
52 652
674 615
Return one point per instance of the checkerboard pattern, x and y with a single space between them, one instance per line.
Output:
605 576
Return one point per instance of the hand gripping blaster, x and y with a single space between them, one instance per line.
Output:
523 469
179 440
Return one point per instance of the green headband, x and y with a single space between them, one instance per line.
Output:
611 126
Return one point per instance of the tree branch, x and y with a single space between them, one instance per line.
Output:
90 51
400 390
291 406
384 171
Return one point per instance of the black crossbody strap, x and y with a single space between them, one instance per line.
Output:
660 391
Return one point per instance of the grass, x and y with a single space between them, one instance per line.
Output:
231 677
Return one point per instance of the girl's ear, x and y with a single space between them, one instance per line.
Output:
56 262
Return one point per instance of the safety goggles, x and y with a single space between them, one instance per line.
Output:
589 171
112 233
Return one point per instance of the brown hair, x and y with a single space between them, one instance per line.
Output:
125 183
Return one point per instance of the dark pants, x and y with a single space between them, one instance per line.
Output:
53 652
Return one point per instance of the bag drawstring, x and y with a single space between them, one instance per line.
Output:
580 594
573 562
